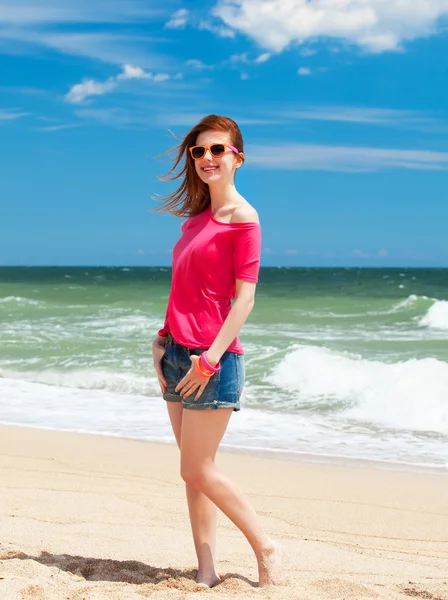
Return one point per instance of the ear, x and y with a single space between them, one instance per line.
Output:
241 159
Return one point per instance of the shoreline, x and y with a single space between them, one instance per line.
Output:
274 454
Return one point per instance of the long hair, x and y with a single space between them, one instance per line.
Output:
193 195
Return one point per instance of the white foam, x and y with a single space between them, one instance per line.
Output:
410 300
30 403
126 382
408 395
19 300
133 415
437 316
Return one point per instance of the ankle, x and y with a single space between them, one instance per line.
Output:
208 578
210 571
206 568
266 548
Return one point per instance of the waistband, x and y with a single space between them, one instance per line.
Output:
172 342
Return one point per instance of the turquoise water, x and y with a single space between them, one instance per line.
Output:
340 362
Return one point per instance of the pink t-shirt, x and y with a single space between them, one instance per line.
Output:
207 260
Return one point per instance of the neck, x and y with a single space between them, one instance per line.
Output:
222 195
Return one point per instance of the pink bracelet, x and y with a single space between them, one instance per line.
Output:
207 365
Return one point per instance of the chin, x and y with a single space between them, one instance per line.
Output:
211 179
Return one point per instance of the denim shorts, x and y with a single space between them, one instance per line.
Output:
223 389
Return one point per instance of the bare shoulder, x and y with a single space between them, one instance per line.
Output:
245 213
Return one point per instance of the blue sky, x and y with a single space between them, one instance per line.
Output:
343 107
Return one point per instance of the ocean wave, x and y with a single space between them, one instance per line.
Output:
412 302
410 395
88 379
145 417
21 301
437 316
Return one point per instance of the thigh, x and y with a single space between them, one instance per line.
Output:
175 411
201 434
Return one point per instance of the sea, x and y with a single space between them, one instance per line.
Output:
341 363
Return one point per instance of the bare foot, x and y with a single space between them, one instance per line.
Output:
207 580
269 566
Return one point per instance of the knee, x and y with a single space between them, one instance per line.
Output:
197 478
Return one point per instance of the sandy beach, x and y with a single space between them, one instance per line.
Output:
86 517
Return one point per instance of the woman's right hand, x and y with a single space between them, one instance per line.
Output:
158 350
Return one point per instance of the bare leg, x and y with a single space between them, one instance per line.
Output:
202 514
201 433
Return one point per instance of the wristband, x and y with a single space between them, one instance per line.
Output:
162 332
207 365
198 365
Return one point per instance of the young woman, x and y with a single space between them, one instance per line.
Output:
197 354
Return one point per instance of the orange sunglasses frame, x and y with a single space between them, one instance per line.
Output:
209 148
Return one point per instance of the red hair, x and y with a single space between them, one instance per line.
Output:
193 195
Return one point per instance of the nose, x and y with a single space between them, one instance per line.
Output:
208 155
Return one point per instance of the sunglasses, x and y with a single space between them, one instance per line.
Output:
216 150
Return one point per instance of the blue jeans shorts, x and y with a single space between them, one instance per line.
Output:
223 389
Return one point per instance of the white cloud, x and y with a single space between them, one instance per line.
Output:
236 60
182 18
360 254
90 87
375 25
198 64
224 32
81 91
11 114
28 91
399 118
162 77
102 29
28 12
114 48
59 127
130 72
263 57
383 252
244 58
239 58
310 157
178 20
304 71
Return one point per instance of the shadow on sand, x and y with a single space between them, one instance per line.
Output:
126 571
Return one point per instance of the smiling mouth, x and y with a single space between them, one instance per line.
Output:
210 169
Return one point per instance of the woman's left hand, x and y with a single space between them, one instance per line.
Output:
192 381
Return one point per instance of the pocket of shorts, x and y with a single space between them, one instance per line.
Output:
168 357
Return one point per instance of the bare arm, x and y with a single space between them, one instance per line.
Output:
241 309
245 298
